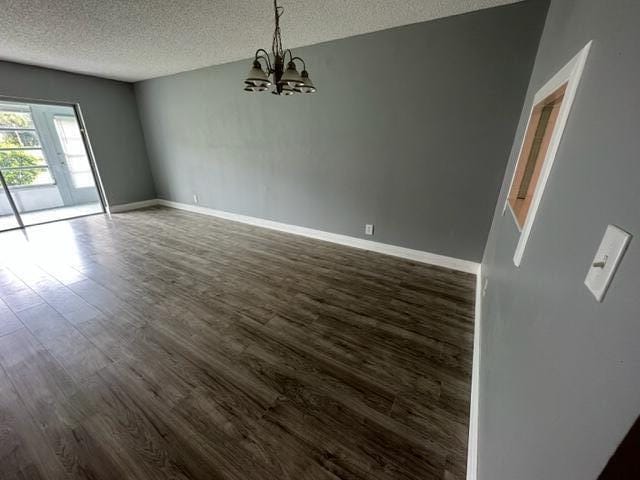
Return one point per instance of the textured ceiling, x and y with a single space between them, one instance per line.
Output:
139 39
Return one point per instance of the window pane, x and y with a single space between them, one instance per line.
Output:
15 119
21 158
29 139
44 177
69 134
81 173
22 177
18 139
9 140
83 180
78 163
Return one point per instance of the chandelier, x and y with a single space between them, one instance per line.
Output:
287 81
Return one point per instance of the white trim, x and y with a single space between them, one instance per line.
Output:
472 449
415 255
569 74
92 158
125 207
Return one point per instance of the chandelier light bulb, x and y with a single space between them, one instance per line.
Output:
257 77
307 85
291 76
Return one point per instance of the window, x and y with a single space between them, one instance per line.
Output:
548 117
22 160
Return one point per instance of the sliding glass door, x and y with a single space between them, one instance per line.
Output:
46 173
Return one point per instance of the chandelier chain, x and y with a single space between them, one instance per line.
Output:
276 46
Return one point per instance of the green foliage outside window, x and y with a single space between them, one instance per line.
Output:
18 158
23 176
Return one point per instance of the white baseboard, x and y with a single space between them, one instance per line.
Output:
472 450
415 255
125 207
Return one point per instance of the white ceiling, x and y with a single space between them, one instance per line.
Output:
139 39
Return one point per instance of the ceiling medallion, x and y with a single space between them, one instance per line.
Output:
287 82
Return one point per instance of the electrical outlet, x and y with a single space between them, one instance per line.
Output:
368 229
195 198
485 284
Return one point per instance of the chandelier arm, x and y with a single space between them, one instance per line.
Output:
265 57
304 65
266 62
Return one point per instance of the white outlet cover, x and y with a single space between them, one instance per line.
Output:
605 263
368 229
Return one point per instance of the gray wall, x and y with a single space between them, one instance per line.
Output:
111 117
410 130
560 382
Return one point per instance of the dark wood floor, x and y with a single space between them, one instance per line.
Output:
163 344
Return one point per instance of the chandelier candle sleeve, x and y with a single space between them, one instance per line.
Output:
285 81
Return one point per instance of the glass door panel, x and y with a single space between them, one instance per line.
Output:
8 220
81 181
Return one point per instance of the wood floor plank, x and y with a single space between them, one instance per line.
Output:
51 399
9 322
164 344
144 436
24 449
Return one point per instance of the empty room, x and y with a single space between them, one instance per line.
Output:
298 240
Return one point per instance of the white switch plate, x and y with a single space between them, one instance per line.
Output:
604 265
368 229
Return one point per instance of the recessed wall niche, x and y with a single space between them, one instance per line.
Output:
548 117
535 146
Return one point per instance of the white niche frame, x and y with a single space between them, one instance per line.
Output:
570 75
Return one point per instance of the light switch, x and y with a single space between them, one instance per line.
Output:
604 265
